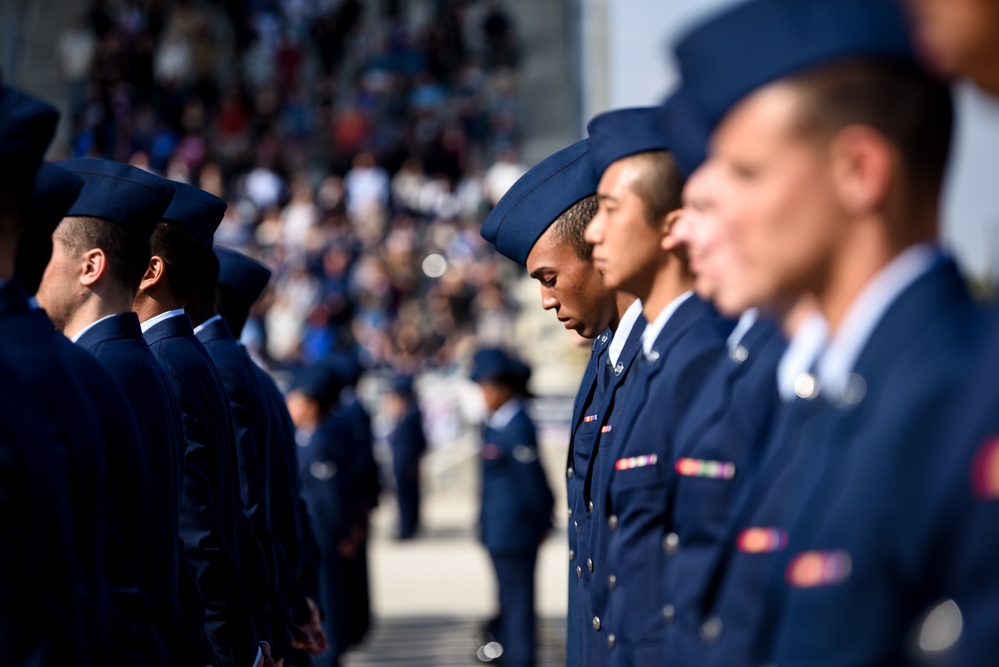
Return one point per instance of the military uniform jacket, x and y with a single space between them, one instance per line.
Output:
516 499
117 343
634 503
854 547
69 386
211 525
407 440
38 568
711 462
594 443
249 416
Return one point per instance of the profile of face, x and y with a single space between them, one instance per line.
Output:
959 38
627 246
698 230
776 202
495 394
570 286
61 292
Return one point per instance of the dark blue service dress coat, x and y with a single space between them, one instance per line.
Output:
38 569
854 546
117 343
211 525
634 503
408 443
249 415
69 387
729 419
514 517
593 442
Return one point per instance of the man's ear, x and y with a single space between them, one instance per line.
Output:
155 274
669 242
863 163
94 266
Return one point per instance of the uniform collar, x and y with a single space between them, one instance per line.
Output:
502 417
624 328
862 318
153 321
201 327
654 328
90 326
745 323
800 355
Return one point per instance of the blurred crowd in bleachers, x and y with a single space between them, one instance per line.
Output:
358 150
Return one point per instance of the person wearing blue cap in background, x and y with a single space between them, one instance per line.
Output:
245 394
100 251
830 144
516 500
630 543
45 565
539 223
241 280
211 517
327 468
408 444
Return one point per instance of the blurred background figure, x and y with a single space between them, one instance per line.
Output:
408 444
516 502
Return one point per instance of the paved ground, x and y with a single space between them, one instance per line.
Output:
431 595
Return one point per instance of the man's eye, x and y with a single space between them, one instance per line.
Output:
548 282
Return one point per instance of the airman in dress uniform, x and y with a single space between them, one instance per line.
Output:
241 281
539 223
516 500
408 444
640 198
829 144
44 619
211 518
100 251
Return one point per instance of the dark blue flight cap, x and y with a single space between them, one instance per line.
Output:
537 199
119 193
493 363
56 189
196 211
690 143
617 134
321 381
27 125
241 274
759 42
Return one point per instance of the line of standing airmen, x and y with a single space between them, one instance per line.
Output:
152 513
784 447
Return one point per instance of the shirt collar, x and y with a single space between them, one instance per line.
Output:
502 417
79 334
204 324
656 327
153 321
624 328
33 303
866 311
800 355
745 323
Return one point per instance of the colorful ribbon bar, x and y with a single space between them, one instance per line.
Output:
811 569
589 418
703 468
636 462
761 540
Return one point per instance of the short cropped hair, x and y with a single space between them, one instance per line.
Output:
907 106
569 227
183 255
659 183
127 252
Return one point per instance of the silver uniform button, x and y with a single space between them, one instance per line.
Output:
589 505
738 353
669 613
671 544
570 512
806 386
612 521
596 623
653 355
618 368
589 564
611 641
612 581
575 524
572 554
568 473
711 630
579 572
